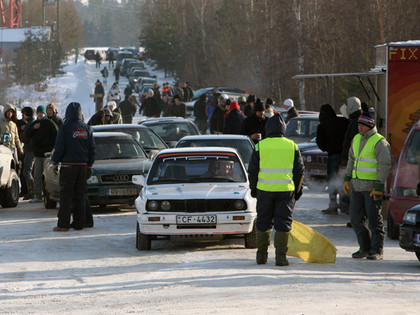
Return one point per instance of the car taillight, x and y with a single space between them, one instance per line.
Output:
405 192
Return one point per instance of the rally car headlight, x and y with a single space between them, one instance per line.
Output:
152 205
166 205
239 204
410 218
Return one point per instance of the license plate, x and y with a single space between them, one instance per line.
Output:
196 219
121 191
416 240
318 172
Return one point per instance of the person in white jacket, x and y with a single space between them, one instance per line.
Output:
114 94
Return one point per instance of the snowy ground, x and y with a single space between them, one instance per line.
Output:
99 270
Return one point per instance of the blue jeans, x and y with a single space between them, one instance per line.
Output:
367 222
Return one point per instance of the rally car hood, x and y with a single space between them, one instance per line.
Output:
197 191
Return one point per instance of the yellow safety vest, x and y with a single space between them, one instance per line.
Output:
277 157
365 165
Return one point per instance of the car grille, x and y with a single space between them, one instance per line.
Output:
116 178
319 159
202 205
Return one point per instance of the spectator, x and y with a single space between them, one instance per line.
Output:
75 149
291 110
52 114
105 74
242 103
128 110
167 90
117 73
26 177
156 95
249 108
42 132
234 120
200 113
254 126
150 107
116 113
114 94
177 108
98 59
128 90
165 103
99 94
217 120
101 117
8 125
329 138
111 59
178 91
212 103
188 92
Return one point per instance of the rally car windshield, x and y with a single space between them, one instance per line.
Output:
196 169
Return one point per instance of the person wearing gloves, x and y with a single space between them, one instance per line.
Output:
75 149
291 110
368 165
275 176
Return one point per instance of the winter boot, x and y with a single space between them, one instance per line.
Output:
263 241
30 185
280 243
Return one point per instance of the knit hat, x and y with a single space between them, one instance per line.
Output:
367 120
251 99
269 101
41 109
259 107
52 106
288 102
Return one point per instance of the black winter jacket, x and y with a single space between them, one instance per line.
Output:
217 120
352 130
43 138
331 130
254 124
200 108
75 144
233 122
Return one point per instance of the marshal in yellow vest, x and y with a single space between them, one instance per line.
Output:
365 165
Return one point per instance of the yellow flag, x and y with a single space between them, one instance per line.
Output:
310 245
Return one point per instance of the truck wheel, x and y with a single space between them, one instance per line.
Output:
251 238
10 195
143 242
48 203
393 228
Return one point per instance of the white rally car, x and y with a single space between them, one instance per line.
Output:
195 192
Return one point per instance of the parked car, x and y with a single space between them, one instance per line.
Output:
315 162
90 54
118 157
144 88
141 81
243 144
302 128
9 179
233 93
138 65
135 75
133 50
171 129
125 62
410 231
404 182
122 54
147 138
191 192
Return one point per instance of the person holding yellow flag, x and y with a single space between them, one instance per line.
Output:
368 165
275 176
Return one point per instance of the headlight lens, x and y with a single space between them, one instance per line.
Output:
309 159
166 205
410 218
153 205
239 204
92 180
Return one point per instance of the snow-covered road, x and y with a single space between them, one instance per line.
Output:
99 271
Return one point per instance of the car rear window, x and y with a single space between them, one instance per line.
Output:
173 131
412 153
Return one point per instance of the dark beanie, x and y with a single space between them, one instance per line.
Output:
367 120
259 107
251 98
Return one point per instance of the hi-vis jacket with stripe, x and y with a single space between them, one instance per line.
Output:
371 163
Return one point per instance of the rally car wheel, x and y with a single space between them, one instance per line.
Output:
251 238
143 241
9 197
